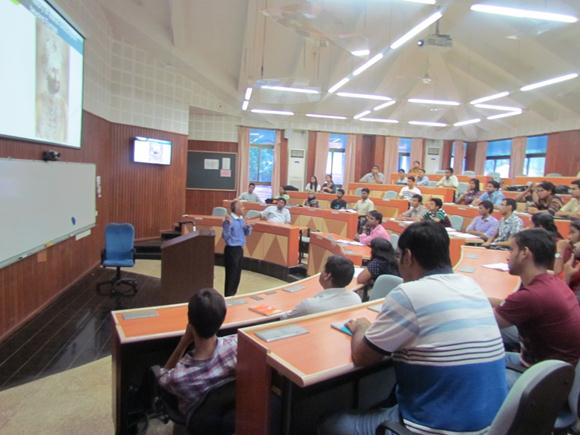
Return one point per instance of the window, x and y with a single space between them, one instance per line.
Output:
405 153
498 157
335 163
535 161
452 159
262 161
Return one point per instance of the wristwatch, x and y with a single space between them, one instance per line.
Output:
558 255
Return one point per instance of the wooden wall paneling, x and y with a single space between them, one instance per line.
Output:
470 152
206 145
28 285
379 152
148 196
361 166
310 155
563 153
446 154
284 161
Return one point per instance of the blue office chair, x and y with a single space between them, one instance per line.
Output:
469 173
569 418
390 194
252 214
456 222
383 286
119 252
219 211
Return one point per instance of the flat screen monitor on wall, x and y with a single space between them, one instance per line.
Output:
154 151
41 78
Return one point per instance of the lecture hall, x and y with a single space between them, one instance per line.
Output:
275 217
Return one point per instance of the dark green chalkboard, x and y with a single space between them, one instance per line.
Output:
198 177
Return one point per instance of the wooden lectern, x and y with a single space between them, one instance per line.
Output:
187 264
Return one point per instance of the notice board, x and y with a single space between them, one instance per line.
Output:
211 170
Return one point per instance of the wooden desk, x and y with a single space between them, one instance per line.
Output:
307 364
436 177
323 245
563 225
521 179
495 283
514 195
142 342
378 190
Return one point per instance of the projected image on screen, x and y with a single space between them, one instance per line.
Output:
41 79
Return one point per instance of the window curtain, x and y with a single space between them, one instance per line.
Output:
321 156
518 156
243 158
417 148
480 156
350 166
391 156
276 171
459 153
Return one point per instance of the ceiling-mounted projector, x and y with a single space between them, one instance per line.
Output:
437 40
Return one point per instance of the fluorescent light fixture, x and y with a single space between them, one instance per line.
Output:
338 85
272 112
245 105
290 89
364 96
549 82
490 97
318 115
248 94
385 121
468 122
493 107
360 53
382 106
523 13
416 30
368 64
505 115
362 114
436 102
428 124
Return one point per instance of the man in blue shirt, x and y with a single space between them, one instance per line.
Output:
234 232
491 194
485 225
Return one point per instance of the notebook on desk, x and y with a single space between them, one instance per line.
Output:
341 326
266 310
281 333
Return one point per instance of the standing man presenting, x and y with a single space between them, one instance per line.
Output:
234 232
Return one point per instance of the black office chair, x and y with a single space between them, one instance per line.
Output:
531 406
215 414
119 252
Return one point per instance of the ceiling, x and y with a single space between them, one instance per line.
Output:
229 45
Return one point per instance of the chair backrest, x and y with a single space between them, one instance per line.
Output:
534 401
440 171
456 222
383 285
358 191
390 194
250 214
215 414
554 174
395 241
119 240
462 188
574 397
432 183
219 211
469 173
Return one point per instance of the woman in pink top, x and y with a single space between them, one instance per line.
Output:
373 229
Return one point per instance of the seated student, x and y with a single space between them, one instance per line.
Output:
373 229
410 189
402 177
416 210
544 309
383 262
312 186
448 180
445 346
328 186
509 224
311 201
415 169
571 209
485 225
545 221
375 176
337 274
565 264
422 179
190 373
472 193
278 213
539 197
491 194
284 194
338 203
363 206
436 213
250 195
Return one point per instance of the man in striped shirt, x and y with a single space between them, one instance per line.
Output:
446 347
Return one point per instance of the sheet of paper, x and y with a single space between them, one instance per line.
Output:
211 164
226 162
358 271
225 173
498 266
464 236
349 242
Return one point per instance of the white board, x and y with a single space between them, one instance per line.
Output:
43 203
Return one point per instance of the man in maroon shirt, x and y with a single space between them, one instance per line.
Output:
544 309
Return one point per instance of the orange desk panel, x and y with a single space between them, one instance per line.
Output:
520 180
495 283
323 245
436 177
513 195
378 190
